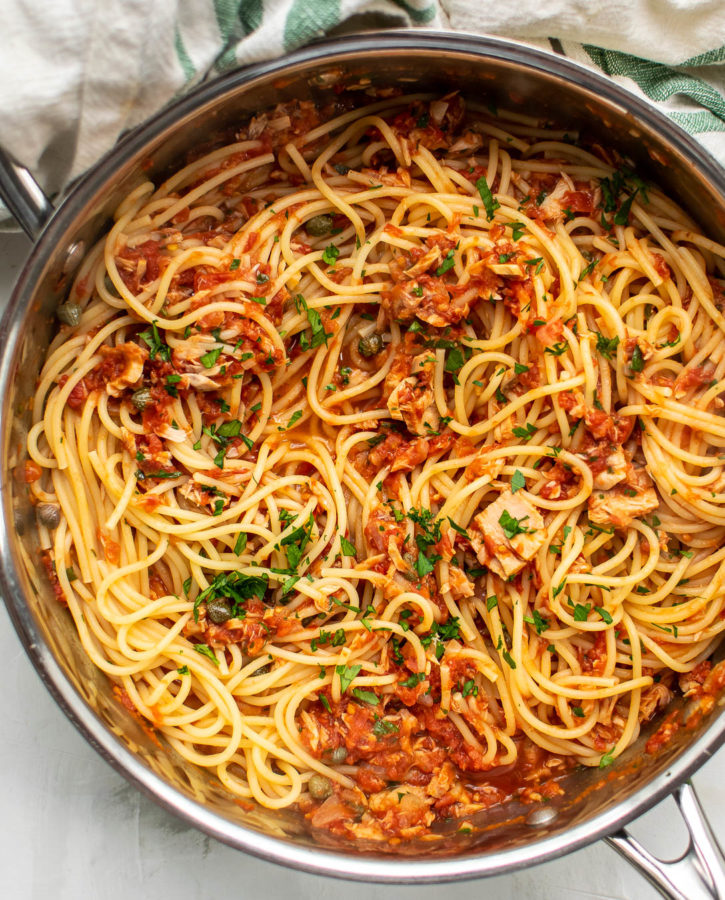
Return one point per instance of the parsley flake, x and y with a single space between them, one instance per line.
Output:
330 255
490 204
518 482
347 675
207 651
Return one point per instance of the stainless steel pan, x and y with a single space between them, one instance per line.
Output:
597 803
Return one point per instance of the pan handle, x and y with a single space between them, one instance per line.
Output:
23 196
699 873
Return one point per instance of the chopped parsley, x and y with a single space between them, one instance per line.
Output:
581 612
330 255
348 548
470 688
457 528
518 482
490 204
143 475
430 535
156 346
604 614
366 696
295 543
233 586
223 436
587 270
347 675
621 217
337 639
208 360
558 348
206 651
540 623
413 680
423 565
318 334
512 526
525 434
447 263
607 346
170 386
447 631
383 727
454 360
517 229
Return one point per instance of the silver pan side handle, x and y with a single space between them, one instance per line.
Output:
23 196
699 874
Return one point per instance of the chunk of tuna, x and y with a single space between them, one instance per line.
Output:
625 502
654 698
502 554
412 400
125 364
459 585
614 472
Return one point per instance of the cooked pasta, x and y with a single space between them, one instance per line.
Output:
379 459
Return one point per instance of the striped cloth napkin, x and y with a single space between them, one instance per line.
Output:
75 74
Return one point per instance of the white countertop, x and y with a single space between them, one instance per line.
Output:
72 828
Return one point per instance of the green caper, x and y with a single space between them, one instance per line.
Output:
48 514
141 398
410 574
371 345
219 610
69 314
319 225
319 787
109 285
338 755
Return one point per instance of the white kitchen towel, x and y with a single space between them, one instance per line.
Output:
75 74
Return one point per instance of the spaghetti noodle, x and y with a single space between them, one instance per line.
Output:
379 459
